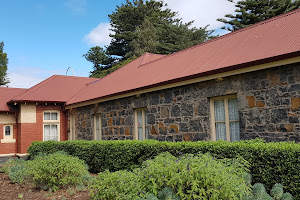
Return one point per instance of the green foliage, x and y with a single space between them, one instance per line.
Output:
140 26
18 173
252 11
20 196
10 164
16 169
166 194
189 176
105 72
98 56
259 193
3 65
270 163
130 16
146 40
55 171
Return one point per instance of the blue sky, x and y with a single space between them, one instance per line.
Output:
45 37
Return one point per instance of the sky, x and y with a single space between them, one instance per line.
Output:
46 37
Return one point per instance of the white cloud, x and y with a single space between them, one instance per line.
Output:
26 77
76 6
203 12
99 36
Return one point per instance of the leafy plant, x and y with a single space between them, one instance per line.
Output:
166 194
56 171
20 196
259 193
189 176
270 163
18 173
10 164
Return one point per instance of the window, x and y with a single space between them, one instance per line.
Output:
72 127
97 127
51 125
141 129
225 118
8 136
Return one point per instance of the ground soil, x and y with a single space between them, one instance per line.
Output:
11 191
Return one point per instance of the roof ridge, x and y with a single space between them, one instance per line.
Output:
59 75
77 92
229 34
35 87
145 56
100 79
113 72
143 64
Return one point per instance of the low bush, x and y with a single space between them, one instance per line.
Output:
270 163
18 173
276 193
189 176
55 171
6 167
16 169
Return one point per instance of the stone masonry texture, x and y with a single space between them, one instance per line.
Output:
268 103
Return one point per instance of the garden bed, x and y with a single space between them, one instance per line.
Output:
10 191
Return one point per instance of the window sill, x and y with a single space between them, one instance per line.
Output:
8 140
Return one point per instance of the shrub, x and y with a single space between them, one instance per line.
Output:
166 194
55 171
191 177
270 163
10 164
259 193
18 173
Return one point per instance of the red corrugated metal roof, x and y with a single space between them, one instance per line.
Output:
57 88
6 95
263 42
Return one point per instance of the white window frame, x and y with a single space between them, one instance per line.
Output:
95 128
72 127
10 138
227 121
52 122
136 133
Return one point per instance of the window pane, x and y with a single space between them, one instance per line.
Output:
46 132
221 131
146 127
53 134
147 132
53 116
233 109
7 130
219 111
47 116
140 133
97 127
140 118
234 131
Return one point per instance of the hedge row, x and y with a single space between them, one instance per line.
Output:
270 163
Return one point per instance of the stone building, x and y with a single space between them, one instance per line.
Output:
240 86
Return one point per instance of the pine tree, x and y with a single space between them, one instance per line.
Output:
141 26
252 11
3 66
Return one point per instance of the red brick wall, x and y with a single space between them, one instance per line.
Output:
30 132
7 148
